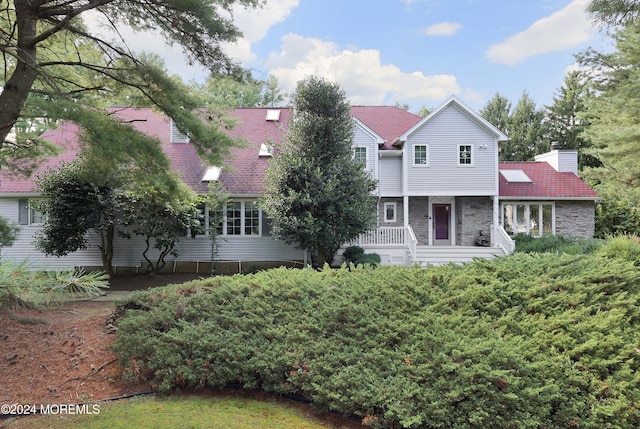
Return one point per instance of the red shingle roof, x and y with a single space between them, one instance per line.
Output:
546 183
244 169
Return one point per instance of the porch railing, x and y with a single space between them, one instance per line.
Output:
412 241
502 239
383 236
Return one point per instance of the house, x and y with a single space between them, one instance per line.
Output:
441 191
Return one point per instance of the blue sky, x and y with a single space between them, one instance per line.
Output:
417 52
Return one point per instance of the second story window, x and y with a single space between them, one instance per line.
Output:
360 155
465 154
420 155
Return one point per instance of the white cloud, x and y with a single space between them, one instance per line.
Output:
254 25
360 73
561 30
442 29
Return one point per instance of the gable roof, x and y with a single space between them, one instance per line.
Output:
389 122
243 172
546 183
469 112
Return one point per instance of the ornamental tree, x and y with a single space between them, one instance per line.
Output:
317 195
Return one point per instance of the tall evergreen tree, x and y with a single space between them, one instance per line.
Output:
317 194
567 120
614 12
527 131
615 111
497 111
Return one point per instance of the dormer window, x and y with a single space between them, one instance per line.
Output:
178 136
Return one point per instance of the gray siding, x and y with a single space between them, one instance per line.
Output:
390 176
443 175
128 253
364 139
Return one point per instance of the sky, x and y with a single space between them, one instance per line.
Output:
413 52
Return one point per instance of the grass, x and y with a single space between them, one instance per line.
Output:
190 411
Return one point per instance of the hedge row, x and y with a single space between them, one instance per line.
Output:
528 341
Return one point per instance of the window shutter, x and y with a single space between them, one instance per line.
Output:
266 225
23 212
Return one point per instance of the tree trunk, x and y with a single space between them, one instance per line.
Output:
106 248
17 88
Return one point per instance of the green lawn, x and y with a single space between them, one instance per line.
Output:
183 412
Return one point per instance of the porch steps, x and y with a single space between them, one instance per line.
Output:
440 255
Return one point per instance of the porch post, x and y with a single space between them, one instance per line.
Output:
405 209
496 219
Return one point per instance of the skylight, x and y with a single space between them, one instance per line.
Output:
265 150
212 174
273 115
515 176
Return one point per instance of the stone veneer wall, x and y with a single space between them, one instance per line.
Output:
419 218
575 218
473 214
399 212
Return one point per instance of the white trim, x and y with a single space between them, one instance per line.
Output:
395 211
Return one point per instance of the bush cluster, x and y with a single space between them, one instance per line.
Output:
556 244
355 255
527 341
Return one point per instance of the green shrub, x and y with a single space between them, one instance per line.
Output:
368 259
352 253
527 341
625 247
555 244
355 255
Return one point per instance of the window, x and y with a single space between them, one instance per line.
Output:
251 218
535 219
233 218
389 212
360 155
465 154
36 217
420 155
29 213
241 218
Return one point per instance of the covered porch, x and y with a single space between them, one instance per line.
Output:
399 246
